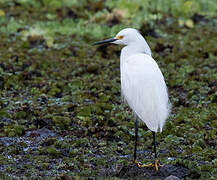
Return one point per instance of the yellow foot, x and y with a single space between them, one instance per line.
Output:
155 164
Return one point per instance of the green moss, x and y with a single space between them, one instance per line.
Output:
14 130
60 108
4 113
73 152
52 151
61 121
21 114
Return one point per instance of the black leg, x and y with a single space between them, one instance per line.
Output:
156 163
136 137
154 143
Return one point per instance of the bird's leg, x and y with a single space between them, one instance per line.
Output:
136 138
156 163
135 147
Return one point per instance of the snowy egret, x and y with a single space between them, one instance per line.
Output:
142 85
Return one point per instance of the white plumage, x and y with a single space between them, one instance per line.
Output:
142 83
144 89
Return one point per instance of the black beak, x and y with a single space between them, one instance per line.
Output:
105 41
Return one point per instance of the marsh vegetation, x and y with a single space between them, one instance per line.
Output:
61 115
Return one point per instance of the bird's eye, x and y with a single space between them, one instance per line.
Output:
120 37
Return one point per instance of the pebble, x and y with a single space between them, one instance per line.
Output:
171 177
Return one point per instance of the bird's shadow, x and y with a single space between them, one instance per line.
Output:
132 171
165 171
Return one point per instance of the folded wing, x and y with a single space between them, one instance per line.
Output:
144 89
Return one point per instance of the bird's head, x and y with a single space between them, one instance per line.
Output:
124 37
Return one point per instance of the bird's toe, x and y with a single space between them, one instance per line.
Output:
155 164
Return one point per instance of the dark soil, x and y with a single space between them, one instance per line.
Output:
61 115
132 171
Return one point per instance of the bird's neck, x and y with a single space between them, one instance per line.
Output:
135 48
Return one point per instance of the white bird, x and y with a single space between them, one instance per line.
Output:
142 84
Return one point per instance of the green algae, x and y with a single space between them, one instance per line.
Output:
14 130
61 112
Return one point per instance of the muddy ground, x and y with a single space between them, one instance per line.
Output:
61 115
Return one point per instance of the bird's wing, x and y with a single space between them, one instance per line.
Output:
144 89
